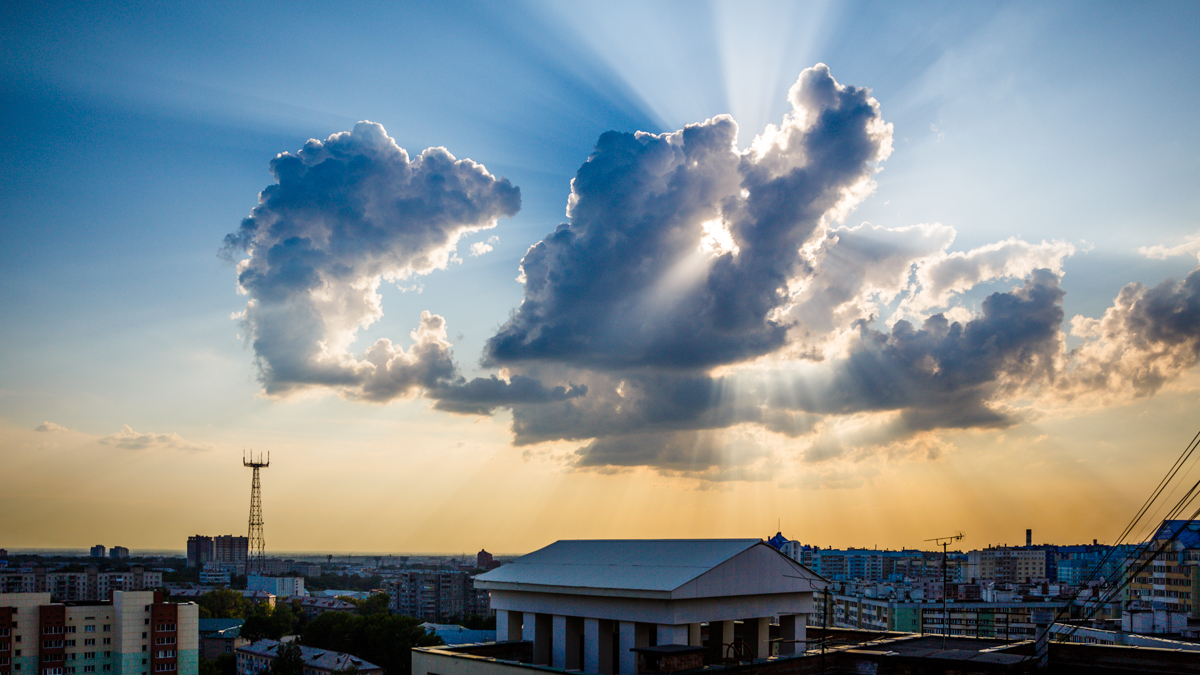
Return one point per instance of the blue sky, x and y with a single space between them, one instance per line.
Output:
138 136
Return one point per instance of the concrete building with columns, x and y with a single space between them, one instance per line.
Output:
595 605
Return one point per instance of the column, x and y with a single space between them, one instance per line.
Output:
626 641
508 625
720 633
694 635
559 657
672 635
597 646
566 643
538 629
756 633
793 627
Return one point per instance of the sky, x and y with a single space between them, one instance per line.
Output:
489 276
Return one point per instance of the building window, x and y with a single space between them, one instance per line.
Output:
107 641
90 628
107 627
106 667
87 642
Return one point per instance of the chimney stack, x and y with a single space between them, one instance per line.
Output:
1028 537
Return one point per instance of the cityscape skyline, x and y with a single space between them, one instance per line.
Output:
482 276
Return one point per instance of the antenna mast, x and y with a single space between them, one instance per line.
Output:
258 544
944 542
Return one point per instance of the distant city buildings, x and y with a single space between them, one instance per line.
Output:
437 596
223 552
88 584
136 633
1010 565
484 560
98 551
118 552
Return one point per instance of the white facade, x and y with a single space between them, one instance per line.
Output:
284 587
601 599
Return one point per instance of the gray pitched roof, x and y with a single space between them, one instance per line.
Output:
317 658
646 565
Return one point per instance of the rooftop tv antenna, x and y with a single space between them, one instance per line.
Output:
944 542
255 561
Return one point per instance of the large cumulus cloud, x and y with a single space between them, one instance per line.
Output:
694 280
629 282
344 215
704 310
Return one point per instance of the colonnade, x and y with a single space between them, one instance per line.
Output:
587 644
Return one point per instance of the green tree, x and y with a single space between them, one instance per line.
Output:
265 622
479 622
375 604
225 664
288 660
382 639
224 604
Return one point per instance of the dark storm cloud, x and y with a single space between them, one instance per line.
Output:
483 395
942 375
623 285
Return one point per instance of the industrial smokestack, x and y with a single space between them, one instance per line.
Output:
1028 537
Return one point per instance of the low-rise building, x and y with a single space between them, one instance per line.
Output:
256 658
589 604
220 636
316 606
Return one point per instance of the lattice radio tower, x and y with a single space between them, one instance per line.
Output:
258 545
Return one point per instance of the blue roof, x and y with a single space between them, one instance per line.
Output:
1188 531
226 628
637 564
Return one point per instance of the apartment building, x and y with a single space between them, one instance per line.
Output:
1008 565
1172 581
1004 620
134 634
437 595
224 550
77 586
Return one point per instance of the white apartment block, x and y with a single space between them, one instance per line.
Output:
135 634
